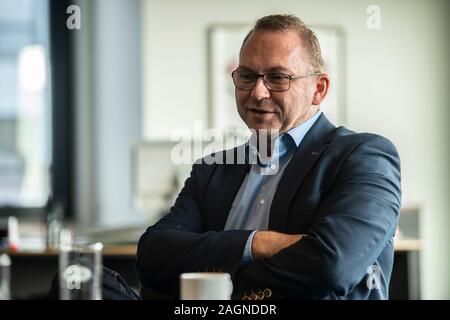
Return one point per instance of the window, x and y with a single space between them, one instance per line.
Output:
29 169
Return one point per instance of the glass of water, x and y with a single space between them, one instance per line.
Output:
5 265
80 272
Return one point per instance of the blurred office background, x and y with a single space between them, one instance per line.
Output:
87 115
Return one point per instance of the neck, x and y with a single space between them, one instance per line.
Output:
265 141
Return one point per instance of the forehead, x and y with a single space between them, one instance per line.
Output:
265 50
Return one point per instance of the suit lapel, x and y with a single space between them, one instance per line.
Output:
227 179
308 152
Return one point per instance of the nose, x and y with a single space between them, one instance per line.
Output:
260 90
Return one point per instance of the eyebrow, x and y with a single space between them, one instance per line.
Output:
278 69
273 69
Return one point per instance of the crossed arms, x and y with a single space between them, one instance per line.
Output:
354 222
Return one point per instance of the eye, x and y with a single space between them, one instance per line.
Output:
277 77
246 76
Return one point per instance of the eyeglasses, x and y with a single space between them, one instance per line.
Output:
274 81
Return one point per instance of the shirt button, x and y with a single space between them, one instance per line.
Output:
273 167
261 202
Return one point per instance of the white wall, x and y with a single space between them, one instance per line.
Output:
396 86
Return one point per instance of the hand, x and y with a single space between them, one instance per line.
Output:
267 243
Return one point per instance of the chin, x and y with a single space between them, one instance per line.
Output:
262 126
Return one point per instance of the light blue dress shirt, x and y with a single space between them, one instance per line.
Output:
251 206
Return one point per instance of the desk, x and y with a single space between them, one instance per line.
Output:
32 271
128 250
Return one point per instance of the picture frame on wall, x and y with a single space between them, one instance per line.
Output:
332 45
224 43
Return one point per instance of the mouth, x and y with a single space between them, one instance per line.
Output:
260 111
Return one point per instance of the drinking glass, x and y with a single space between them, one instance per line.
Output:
80 272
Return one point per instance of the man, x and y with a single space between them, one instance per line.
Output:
320 227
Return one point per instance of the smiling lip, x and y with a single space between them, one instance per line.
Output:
259 111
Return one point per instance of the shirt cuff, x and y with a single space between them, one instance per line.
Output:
247 256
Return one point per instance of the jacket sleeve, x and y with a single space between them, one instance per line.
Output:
177 243
355 221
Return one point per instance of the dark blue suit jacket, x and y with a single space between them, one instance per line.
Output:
341 189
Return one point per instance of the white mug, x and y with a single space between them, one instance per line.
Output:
205 286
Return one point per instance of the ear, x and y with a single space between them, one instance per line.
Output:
322 85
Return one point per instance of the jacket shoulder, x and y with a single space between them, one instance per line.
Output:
352 139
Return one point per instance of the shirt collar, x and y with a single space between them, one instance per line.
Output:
299 132
286 141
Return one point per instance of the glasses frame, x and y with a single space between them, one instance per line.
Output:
265 81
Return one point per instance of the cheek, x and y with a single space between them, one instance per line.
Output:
307 93
290 105
241 98
299 98
282 102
